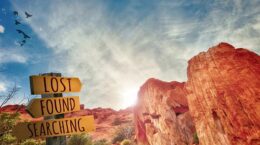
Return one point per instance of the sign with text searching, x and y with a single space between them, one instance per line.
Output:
53 84
57 127
52 106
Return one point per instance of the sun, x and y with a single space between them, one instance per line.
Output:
129 96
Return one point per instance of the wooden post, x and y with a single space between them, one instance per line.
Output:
60 140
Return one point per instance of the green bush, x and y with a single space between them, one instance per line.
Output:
30 142
123 133
126 142
195 138
8 121
7 139
80 139
42 143
101 142
33 142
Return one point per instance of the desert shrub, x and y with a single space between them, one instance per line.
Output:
101 142
8 121
123 133
195 138
42 143
30 142
33 142
116 121
126 142
80 139
7 139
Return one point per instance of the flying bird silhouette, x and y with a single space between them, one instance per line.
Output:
25 36
19 31
15 13
27 15
21 43
17 22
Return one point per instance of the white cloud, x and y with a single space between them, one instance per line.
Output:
2 29
5 84
114 50
2 87
12 55
8 55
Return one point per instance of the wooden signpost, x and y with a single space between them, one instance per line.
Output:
57 127
50 84
52 107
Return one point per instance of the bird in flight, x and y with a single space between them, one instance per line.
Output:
15 13
22 43
25 36
27 15
19 31
17 22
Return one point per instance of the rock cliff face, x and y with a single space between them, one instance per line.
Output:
162 116
224 96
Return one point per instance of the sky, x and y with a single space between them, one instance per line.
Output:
114 46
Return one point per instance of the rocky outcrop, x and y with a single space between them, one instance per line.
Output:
13 108
223 93
224 96
162 116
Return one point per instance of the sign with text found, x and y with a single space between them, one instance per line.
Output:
52 84
58 127
52 106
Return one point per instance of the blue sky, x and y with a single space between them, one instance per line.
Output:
115 46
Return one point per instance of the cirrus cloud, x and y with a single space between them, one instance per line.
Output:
12 55
119 47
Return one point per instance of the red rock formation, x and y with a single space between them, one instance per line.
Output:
161 115
13 108
224 96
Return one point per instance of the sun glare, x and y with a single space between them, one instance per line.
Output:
129 97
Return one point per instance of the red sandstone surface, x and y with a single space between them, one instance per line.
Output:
162 116
223 95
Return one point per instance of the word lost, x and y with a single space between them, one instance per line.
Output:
51 84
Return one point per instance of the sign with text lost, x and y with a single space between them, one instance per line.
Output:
52 106
53 84
57 127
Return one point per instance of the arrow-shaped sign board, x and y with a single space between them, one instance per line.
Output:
52 106
58 127
52 84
